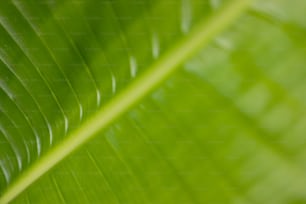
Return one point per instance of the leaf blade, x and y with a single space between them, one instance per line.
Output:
149 80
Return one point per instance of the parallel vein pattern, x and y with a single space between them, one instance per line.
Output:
227 128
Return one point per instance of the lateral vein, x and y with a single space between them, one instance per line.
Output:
140 87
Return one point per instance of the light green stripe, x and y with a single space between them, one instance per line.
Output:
142 85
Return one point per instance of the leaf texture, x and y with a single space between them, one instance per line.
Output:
227 128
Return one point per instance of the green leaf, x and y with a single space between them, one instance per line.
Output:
77 76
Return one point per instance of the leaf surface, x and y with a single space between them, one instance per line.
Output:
226 128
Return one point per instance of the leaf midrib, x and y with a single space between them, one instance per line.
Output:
140 87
